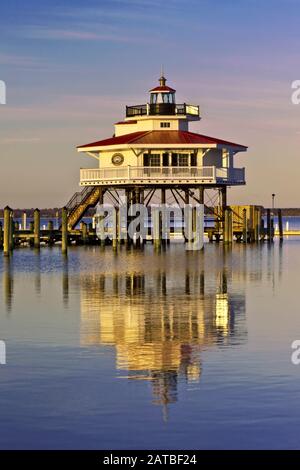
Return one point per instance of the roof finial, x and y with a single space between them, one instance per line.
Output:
162 80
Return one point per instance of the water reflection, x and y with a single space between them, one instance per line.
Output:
159 313
159 323
8 283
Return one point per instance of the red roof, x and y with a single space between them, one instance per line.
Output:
161 137
163 88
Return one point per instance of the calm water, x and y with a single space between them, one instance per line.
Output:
141 350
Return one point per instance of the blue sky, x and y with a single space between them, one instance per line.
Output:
71 67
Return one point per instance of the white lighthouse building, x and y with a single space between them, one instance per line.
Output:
152 149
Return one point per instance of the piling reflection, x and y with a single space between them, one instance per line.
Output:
8 283
159 325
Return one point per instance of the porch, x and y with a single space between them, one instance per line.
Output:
161 175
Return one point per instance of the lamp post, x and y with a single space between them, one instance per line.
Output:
273 201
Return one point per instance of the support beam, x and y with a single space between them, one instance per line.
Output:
201 195
223 197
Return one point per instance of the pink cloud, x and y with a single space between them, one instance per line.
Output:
24 61
62 34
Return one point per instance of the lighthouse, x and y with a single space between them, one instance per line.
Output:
153 151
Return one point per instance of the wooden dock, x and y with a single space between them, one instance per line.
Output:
243 224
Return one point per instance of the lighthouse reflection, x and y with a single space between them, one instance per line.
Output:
159 323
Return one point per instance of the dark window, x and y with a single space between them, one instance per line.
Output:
146 159
165 159
165 124
174 159
193 159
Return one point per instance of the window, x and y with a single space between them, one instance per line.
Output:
180 159
154 159
165 159
193 159
165 124
183 159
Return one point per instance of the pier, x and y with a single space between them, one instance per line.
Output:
242 224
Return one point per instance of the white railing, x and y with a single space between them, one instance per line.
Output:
236 175
129 173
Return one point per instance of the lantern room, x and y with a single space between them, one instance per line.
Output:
162 99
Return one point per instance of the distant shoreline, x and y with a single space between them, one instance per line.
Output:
55 212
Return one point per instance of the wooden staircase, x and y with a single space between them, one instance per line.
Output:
80 202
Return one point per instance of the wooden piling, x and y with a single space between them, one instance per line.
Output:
156 221
137 201
143 229
280 226
11 231
24 221
228 228
164 234
50 228
128 193
188 221
225 226
84 233
257 224
36 229
245 231
7 226
115 228
1 235
64 230
186 203
269 226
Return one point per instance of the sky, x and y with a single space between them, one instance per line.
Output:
71 67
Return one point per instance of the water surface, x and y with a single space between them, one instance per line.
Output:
143 350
